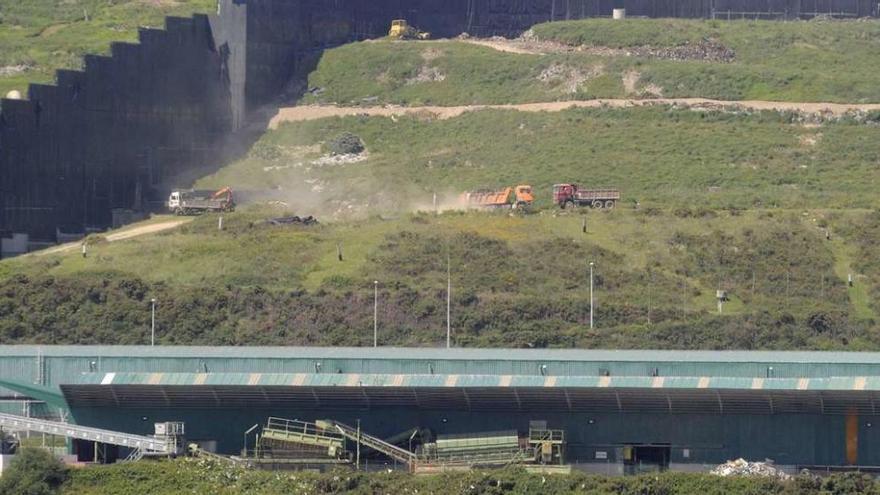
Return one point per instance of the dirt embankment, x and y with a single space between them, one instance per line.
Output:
705 50
816 110
121 235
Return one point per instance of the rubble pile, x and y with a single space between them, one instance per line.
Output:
705 50
742 467
293 220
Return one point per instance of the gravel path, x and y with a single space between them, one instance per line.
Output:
314 112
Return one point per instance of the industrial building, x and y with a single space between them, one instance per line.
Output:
619 410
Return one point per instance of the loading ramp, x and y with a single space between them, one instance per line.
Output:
143 444
393 451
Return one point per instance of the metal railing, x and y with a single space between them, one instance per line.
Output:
301 432
555 436
143 443
392 451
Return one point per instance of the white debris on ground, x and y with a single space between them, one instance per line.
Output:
742 467
11 70
427 74
343 159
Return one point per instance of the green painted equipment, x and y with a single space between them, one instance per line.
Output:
479 443
285 438
369 441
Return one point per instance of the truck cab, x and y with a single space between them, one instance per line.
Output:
174 200
563 194
524 196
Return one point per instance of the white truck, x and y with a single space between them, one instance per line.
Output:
194 202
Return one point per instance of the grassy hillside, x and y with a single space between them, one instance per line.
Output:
660 157
518 281
160 478
739 202
797 61
39 36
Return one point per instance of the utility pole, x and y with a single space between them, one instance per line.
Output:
448 301
357 461
591 294
153 323
375 313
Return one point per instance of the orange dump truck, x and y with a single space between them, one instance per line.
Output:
509 197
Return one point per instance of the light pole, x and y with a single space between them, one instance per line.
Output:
153 323
448 301
375 313
591 294
244 451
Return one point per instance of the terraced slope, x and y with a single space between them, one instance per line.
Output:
600 58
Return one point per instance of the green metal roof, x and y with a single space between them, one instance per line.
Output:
48 395
447 354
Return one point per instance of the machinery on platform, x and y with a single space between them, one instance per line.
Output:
293 441
402 30
328 442
195 202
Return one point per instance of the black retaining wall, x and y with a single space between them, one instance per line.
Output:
107 136
118 133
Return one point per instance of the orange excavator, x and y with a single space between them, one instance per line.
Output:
509 197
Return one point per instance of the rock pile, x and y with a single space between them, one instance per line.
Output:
742 467
705 50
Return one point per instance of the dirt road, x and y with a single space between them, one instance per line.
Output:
120 235
314 112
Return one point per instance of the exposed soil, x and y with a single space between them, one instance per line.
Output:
427 74
812 112
11 70
630 85
706 50
569 79
127 233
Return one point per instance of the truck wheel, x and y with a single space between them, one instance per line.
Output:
597 204
609 205
568 204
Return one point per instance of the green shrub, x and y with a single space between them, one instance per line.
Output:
346 144
33 472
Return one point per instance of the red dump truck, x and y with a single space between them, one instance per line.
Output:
566 195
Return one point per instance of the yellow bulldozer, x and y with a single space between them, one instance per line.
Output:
401 30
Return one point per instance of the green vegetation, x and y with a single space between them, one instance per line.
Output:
738 201
197 476
795 61
40 36
713 214
517 281
33 472
662 157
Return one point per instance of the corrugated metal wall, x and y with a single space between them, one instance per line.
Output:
51 366
789 439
